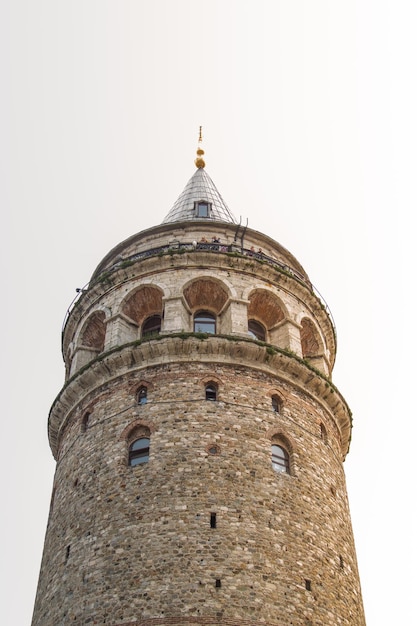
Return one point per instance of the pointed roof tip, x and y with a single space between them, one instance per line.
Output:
200 200
200 162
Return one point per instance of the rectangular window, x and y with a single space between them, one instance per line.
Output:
202 209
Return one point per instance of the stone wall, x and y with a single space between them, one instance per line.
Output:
130 544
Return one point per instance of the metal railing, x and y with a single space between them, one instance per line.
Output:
177 247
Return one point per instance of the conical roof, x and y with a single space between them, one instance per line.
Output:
200 189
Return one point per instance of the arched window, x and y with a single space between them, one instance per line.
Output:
151 326
256 330
139 451
276 404
280 459
142 395
323 432
204 322
211 392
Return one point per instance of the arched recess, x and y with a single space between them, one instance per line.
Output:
144 308
310 342
93 334
205 294
91 341
312 345
211 385
266 309
138 442
135 429
277 402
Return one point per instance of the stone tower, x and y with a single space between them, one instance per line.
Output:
198 437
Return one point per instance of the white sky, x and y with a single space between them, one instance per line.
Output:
309 113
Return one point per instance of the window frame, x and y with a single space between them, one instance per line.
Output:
276 403
139 452
260 333
198 206
155 329
211 320
280 463
211 392
142 395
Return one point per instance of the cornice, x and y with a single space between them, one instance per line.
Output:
194 347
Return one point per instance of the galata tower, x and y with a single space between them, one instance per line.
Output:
199 439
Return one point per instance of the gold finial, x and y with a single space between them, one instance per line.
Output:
199 162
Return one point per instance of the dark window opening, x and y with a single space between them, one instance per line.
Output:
213 520
256 330
341 563
218 582
142 395
151 326
67 553
139 451
202 209
308 584
280 459
211 393
204 322
276 404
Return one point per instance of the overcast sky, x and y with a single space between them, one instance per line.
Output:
309 115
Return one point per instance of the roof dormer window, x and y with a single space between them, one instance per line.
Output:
202 208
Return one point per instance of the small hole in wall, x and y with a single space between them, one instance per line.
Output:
67 553
213 520
308 584
341 562
218 583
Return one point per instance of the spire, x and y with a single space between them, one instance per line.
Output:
199 162
200 199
